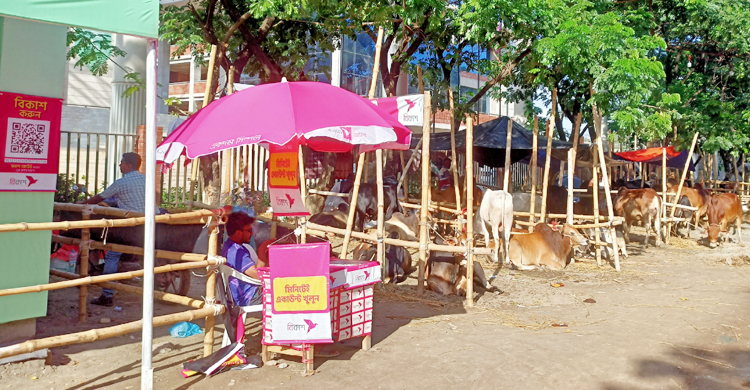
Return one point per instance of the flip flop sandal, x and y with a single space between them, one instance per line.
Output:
327 354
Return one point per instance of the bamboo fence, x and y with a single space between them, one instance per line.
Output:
129 218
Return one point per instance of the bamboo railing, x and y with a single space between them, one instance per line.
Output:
128 218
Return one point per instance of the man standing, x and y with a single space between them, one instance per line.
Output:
130 192
242 258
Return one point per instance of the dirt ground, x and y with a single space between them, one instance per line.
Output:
673 318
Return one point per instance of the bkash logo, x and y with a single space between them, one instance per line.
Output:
410 103
310 325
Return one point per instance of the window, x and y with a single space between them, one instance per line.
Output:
358 57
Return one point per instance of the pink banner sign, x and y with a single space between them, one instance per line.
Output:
29 142
408 110
300 293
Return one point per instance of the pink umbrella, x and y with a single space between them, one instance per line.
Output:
327 118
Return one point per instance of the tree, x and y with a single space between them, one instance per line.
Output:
271 39
706 62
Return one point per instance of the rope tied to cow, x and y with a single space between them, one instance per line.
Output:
87 209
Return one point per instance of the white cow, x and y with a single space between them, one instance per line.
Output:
495 210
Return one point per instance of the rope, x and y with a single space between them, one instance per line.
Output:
85 245
211 302
105 231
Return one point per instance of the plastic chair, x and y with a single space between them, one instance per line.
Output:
225 272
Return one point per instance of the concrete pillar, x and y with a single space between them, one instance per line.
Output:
336 67
32 61
194 74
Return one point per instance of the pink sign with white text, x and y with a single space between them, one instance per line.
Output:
300 293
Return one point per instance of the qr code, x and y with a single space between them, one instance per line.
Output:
27 138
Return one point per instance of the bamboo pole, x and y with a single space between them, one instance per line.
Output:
353 206
104 333
99 210
423 236
102 223
303 190
572 166
379 166
682 181
508 149
533 168
644 174
84 291
213 249
595 172
454 160
663 210
381 214
736 175
164 296
744 161
560 174
83 281
470 211
134 250
545 178
419 79
208 96
610 209
403 176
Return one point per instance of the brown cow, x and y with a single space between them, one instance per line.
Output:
636 205
449 196
544 247
446 272
698 198
722 210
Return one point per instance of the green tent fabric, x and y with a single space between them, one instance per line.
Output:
132 17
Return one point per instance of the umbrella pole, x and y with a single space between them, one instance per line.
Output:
534 170
303 190
423 234
403 180
470 212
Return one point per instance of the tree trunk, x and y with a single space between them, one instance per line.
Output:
211 177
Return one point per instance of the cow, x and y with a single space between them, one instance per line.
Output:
619 241
449 195
446 272
698 198
367 203
407 226
335 218
522 202
333 202
723 210
495 211
635 205
544 247
398 258
176 238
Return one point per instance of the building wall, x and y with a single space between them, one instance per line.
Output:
96 119
32 61
82 88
